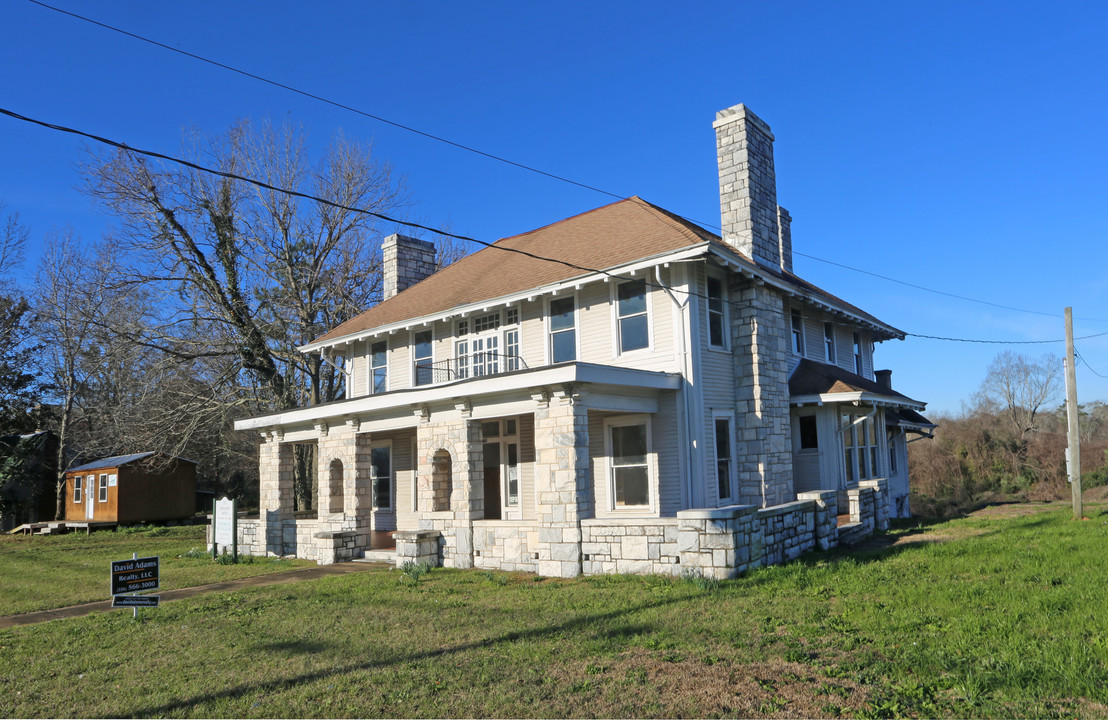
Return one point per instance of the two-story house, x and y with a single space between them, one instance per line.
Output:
619 391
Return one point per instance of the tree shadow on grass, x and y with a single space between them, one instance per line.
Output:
296 646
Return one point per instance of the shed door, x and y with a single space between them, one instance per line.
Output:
90 496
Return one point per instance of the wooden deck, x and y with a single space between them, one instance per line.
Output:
59 527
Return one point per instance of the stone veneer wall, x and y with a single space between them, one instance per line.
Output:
761 356
747 185
719 542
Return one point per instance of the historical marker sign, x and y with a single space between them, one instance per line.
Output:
224 522
135 601
136 575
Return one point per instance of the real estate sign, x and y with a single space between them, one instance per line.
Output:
135 575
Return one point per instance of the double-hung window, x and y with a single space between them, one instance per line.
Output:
563 331
422 368
858 353
860 448
716 314
798 333
77 488
378 367
724 458
634 331
829 341
629 450
103 488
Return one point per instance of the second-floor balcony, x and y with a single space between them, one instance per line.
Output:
473 365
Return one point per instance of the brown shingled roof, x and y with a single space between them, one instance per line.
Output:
815 378
609 236
619 233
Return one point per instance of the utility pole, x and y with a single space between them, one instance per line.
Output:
1073 449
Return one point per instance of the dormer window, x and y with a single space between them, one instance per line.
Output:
798 333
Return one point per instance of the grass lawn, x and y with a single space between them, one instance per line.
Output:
44 572
981 617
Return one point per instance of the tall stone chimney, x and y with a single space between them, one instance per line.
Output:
748 189
406 261
785 238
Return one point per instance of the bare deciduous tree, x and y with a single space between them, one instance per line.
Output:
1020 387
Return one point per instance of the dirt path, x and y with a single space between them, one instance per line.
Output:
289 576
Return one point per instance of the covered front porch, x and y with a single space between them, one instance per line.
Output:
493 476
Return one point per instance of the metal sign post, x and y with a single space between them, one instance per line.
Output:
130 577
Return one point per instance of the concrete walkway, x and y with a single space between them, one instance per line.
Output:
278 578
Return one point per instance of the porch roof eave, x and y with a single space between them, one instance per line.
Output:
533 380
856 398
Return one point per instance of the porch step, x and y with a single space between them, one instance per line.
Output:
378 556
851 533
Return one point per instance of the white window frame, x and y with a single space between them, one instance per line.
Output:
617 336
415 359
651 464
859 364
102 489
78 484
797 448
829 349
391 507
854 426
796 317
723 311
371 386
550 332
732 464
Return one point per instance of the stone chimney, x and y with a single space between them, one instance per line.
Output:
748 189
884 379
406 261
785 238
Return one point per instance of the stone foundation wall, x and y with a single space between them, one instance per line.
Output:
630 546
788 531
506 545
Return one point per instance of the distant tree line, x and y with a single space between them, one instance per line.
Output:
189 315
1008 443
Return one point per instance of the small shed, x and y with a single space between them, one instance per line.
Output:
131 488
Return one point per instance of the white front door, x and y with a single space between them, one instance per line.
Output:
90 491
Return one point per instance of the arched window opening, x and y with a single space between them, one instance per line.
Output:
334 487
442 483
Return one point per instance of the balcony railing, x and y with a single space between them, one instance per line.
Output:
478 364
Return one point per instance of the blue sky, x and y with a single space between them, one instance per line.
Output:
957 146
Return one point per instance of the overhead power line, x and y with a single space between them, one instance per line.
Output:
406 223
1086 362
334 103
489 155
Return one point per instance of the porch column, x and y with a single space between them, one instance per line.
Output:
760 342
450 488
275 492
561 480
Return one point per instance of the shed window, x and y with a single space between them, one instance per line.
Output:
77 488
103 488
